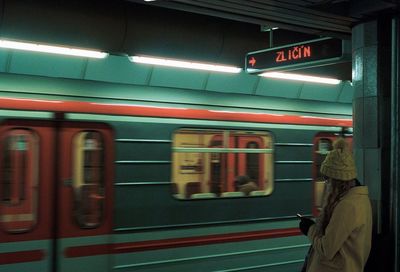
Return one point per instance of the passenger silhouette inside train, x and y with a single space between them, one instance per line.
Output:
245 184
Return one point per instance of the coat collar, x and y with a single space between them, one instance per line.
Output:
358 190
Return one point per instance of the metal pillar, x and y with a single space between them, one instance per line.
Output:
395 156
371 42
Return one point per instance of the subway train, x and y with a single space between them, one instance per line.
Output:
118 184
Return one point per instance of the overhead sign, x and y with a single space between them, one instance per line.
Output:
300 55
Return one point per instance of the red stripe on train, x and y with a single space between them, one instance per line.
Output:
21 256
83 251
151 111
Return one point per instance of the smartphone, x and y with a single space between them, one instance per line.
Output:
299 215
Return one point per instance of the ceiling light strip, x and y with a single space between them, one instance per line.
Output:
290 76
52 49
185 64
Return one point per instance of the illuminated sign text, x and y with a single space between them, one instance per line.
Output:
297 52
296 56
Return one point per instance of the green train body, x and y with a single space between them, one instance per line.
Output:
98 194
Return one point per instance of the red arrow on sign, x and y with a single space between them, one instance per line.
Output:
252 61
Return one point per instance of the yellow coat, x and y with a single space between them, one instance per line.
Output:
347 241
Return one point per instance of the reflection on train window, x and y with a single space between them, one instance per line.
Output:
19 180
87 181
221 163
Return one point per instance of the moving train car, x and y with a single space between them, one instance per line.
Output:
117 184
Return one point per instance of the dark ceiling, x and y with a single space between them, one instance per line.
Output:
297 20
319 17
218 31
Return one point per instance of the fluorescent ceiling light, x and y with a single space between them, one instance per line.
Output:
290 76
185 64
52 49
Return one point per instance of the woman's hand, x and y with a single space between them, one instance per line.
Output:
305 224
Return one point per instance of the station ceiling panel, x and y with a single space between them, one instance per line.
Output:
126 75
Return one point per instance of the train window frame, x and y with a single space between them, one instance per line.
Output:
19 213
85 194
224 152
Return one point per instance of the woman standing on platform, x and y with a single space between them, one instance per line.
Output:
341 237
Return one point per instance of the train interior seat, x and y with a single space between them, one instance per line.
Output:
192 187
257 193
175 191
203 195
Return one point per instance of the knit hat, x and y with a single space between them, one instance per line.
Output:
339 163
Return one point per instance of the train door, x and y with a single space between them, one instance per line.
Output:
218 162
26 196
225 167
84 197
54 219
251 164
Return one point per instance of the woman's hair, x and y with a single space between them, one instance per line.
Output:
332 195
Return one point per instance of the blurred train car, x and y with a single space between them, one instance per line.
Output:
117 185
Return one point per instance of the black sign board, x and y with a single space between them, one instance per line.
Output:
300 55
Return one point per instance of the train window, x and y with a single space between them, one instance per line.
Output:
221 163
19 180
87 181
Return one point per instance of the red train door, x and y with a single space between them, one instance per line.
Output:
218 164
26 195
225 167
85 197
251 164
55 196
